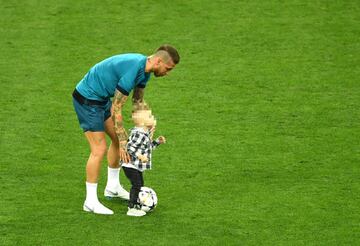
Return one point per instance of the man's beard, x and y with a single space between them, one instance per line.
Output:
157 74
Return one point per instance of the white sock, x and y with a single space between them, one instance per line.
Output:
91 192
113 177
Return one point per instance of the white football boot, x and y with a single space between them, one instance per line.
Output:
135 212
117 191
96 208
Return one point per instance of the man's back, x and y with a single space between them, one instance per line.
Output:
123 71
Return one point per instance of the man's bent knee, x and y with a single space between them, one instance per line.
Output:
99 151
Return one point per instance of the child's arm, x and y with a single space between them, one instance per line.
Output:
141 157
157 142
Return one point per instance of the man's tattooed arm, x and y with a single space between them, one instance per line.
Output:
138 95
118 103
138 101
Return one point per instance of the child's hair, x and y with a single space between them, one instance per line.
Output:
138 116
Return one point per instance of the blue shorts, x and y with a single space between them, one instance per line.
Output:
92 117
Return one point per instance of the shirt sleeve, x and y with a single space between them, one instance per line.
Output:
126 83
143 82
128 80
155 143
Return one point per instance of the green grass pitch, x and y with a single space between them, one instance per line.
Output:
261 116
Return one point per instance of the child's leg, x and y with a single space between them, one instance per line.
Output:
137 181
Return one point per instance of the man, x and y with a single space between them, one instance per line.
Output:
114 77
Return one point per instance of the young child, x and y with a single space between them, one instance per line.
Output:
139 147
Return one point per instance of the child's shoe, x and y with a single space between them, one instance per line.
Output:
135 211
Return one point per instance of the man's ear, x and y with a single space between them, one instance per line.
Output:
157 60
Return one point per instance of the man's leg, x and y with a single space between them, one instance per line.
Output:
113 186
97 144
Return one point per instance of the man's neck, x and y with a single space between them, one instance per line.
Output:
149 65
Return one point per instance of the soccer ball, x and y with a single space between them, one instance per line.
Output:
147 199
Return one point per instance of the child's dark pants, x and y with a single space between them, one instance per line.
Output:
137 181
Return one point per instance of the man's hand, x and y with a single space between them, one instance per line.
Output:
162 139
124 156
